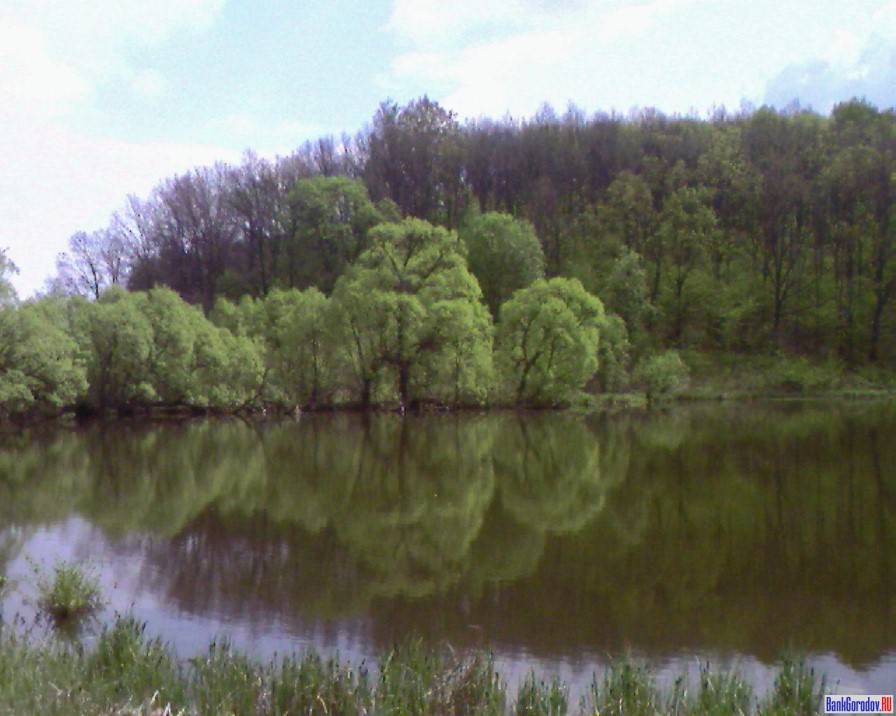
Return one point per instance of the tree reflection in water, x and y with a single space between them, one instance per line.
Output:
722 528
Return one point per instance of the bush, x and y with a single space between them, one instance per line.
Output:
798 375
74 592
661 375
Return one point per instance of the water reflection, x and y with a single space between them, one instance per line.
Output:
733 530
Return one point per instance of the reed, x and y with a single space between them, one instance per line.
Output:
127 673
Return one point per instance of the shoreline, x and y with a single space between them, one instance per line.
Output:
600 404
127 672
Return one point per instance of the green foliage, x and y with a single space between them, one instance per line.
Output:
723 693
415 679
174 324
116 340
797 691
613 355
410 308
7 269
626 294
127 674
72 593
627 689
628 211
686 231
763 233
504 255
329 218
299 347
39 366
133 667
799 375
757 230
547 341
661 374
229 370
541 698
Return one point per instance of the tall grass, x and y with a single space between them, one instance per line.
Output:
127 673
72 593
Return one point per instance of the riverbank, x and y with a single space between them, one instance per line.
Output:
712 377
127 672
733 377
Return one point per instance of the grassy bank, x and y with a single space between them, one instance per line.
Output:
722 375
126 672
730 376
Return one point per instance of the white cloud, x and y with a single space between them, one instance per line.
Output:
856 62
546 52
30 78
80 45
264 137
149 84
55 180
436 21
679 55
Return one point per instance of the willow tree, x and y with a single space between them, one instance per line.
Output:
299 347
39 366
547 340
410 313
116 340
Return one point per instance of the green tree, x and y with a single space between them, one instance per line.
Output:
299 347
414 158
7 269
116 341
786 153
503 253
228 370
613 354
393 305
547 340
627 213
661 375
170 362
460 372
39 367
627 295
327 223
859 188
687 229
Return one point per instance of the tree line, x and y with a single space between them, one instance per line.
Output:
758 232
405 324
745 232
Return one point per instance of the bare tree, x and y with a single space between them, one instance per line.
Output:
80 269
93 262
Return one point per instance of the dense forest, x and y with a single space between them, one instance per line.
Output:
429 260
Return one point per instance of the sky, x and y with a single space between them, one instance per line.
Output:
100 98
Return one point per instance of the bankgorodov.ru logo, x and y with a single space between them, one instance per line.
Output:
854 704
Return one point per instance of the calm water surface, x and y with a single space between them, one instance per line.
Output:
730 533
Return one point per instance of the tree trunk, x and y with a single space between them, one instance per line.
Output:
404 374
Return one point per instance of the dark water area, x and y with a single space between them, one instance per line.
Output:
733 533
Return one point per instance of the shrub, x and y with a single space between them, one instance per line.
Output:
661 375
74 592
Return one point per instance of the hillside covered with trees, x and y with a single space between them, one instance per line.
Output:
429 260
